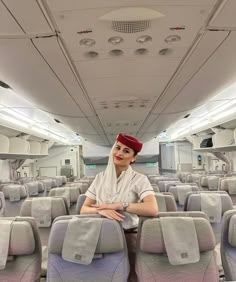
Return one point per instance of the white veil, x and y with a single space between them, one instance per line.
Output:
110 190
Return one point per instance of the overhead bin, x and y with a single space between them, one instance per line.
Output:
18 146
4 144
223 137
35 147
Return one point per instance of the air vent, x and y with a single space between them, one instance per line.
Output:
4 85
130 27
57 120
131 19
186 116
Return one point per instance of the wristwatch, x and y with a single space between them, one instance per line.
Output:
125 206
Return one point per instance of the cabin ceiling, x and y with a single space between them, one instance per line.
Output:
136 88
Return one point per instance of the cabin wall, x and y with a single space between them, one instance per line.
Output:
51 165
4 169
150 148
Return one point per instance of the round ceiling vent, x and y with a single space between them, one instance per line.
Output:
172 38
165 51
116 52
141 51
115 40
87 42
91 54
144 39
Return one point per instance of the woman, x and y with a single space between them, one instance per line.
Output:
117 193
121 193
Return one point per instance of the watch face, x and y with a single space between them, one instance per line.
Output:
125 205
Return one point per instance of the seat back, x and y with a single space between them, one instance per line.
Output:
14 192
228 245
152 260
2 204
193 203
24 252
73 192
109 263
59 207
80 203
165 202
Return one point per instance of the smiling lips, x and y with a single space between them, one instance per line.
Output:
118 158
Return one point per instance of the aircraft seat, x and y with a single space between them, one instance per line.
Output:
110 259
71 193
165 202
154 260
14 192
228 245
24 252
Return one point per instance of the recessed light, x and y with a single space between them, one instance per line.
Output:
87 42
144 39
115 40
172 38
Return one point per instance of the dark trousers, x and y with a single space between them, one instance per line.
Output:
131 240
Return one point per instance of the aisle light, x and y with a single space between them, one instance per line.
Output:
12 120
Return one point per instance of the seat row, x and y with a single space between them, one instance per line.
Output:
171 247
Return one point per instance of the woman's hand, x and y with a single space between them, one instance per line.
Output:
113 206
112 214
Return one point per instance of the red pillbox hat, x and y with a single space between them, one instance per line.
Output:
130 141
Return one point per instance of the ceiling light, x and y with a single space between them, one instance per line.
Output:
144 39
115 40
87 42
172 38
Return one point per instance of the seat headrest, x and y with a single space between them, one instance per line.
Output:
22 240
58 207
194 201
232 231
110 239
152 241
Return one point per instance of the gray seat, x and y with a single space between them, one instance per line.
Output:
165 202
2 204
111 263
228 245
73 193
193 203
174 190
59 208
80 203
152 262
24 254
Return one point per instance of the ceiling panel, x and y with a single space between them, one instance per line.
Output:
8 25
43 88
210 76
226 16
61 5
139 67
203 50
53 54
147 87
29 16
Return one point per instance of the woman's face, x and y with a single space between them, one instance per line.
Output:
123 155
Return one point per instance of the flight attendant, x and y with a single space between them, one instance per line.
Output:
120 193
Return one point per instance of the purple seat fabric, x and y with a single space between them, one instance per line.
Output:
111 266
228 245
152 263
26 251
